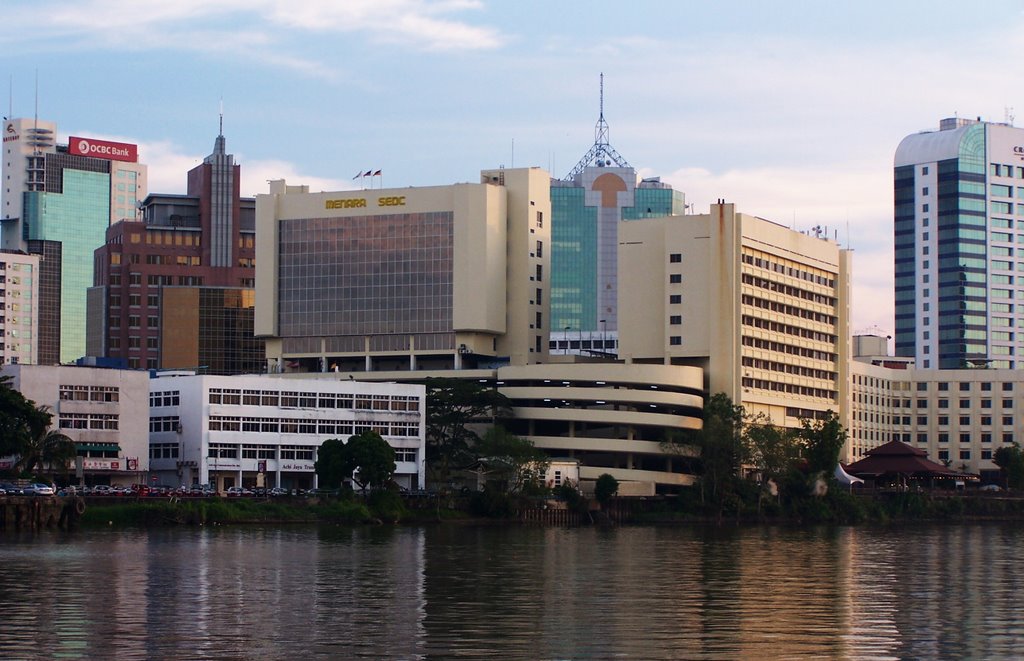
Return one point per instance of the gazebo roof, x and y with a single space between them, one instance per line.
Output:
896 457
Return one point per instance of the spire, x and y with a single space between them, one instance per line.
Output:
219 146
602 154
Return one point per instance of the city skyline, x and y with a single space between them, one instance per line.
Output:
798 109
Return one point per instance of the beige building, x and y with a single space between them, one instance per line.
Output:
765 310
435 278
19 308
104 411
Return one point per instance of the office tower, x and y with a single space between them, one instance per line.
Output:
763 309
435 278
586 208
176 289
958 294
57 201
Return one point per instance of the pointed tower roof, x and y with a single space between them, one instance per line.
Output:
602 154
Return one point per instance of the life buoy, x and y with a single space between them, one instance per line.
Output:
79 506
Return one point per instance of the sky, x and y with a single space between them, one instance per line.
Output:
791 110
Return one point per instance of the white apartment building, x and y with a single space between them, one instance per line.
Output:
265 431
102 410
19 308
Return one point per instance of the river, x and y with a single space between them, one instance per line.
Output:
512 592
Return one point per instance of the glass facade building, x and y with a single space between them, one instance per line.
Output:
77 215
958 293
386 277
585 214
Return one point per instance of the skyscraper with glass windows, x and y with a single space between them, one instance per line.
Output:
959 205
57 201
586 208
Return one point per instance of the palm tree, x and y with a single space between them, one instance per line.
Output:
45 447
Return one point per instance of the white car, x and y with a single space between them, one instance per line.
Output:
39 489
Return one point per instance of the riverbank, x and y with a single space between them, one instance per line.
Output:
386 508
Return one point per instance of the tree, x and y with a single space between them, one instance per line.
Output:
773 450
365 458
333 464
605 487
514 461
46 448
19 419
822 441
374 460
722 448
1010 459
452 406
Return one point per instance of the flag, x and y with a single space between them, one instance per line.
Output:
377 173
358 174
369 173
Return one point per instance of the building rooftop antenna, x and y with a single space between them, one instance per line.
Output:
602 154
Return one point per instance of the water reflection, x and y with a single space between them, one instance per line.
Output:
512 592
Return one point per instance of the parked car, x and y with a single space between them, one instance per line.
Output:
990 487
11 489
235 492
277 491
102 490
39 489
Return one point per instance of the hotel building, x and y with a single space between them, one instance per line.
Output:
959 224
57 201
764 310
176 290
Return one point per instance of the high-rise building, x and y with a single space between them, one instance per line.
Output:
19 308
443 277
765 310
586 207
57 201
958 210
176 290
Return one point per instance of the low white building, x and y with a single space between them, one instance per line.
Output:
102 410
264 431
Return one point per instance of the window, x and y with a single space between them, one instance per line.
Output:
540 248
943 403
675 278
675 320
675 258
675 340
540 272
675 299
965 454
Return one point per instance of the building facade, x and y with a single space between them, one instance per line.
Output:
763 309
437 278
587 206
958 215
60 199
264 431
104 411
19 308
177 290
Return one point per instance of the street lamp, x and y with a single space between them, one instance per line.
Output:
567 329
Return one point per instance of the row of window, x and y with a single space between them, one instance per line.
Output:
89 393
786 368
312 400
306 426
788 290
789 388
293 452
135 279
790 310
788 329
166 260
776 267
164 423
164 450
782 347
88 421
165 398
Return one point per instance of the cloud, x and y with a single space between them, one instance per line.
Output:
844 197
247 25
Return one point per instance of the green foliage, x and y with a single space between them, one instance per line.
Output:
45 447
333 464
722 449
1010 459
822 441
21 421
772 450
494 502
453 405
387 506
374 459
605 487
514 462
367 453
